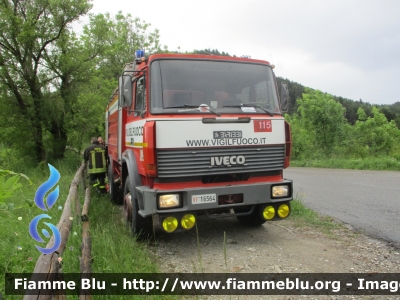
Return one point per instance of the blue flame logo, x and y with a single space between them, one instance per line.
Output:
51 200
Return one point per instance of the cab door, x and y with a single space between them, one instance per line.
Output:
135 119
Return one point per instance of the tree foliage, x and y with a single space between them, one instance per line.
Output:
296 90
111 42
29 29
323 118
9 182
116 38
319 130
54 84
376 134
211 52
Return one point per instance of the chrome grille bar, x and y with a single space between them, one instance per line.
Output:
197 162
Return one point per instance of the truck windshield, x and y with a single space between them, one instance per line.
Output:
201 86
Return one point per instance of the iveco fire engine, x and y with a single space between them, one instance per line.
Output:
191 135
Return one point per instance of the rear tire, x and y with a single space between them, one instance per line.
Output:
141 227
254 219
115 194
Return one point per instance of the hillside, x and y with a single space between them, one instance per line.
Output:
392 111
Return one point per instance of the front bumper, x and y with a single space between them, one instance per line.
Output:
255 193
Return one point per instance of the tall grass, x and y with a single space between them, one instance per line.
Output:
114 249
18 253
304 216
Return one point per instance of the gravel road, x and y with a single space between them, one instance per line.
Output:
286 247
275 247
281 246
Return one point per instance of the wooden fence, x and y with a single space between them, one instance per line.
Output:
50 264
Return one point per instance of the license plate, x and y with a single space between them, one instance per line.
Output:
208 198
233 134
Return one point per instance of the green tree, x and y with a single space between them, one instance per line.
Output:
70 63
302 140
87 69
118 37
211 52
110 42
323 118
56 83
375 133
29 29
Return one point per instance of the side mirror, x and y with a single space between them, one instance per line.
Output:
125 91
284 95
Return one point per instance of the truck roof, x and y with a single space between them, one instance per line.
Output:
205 57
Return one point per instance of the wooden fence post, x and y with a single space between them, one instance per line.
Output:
86 247
85 210
49 264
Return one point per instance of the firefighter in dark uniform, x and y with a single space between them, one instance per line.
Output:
95 155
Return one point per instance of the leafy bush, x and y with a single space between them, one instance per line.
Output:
8 184
321 136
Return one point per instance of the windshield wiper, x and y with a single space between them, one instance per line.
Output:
252 105
183 106
211 111
196 107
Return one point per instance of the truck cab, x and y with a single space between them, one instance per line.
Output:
192 135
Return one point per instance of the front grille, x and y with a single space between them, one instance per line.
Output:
197 162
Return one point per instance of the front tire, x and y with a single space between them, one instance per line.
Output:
142 227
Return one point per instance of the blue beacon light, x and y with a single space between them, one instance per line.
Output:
139 54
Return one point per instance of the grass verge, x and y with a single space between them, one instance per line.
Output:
114 250
304 216
370 163
18 253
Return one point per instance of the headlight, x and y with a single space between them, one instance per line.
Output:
168 201
280 191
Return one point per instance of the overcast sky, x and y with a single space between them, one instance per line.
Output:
345 48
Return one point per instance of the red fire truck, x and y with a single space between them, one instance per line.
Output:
192 135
